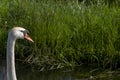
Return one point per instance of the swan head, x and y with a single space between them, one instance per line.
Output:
20 33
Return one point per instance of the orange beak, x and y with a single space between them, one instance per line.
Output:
27 37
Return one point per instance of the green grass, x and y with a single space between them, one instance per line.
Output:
65 34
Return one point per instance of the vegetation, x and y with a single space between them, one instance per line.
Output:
66 33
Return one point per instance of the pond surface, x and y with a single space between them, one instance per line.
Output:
78 73
28 72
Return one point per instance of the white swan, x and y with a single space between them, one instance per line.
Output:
14 33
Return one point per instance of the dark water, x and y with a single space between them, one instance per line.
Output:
28 72
78 73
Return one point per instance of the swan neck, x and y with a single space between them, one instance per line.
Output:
11 73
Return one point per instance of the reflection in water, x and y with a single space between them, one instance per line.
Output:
31 74
80 73
28 72
0 76
2 70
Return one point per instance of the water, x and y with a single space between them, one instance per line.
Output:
28 72
78 73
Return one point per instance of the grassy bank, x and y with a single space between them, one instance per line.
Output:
65 33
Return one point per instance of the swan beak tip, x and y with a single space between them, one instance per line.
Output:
27 37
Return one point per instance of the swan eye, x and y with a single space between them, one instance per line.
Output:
21 31
25 32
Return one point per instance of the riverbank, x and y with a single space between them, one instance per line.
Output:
65 34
